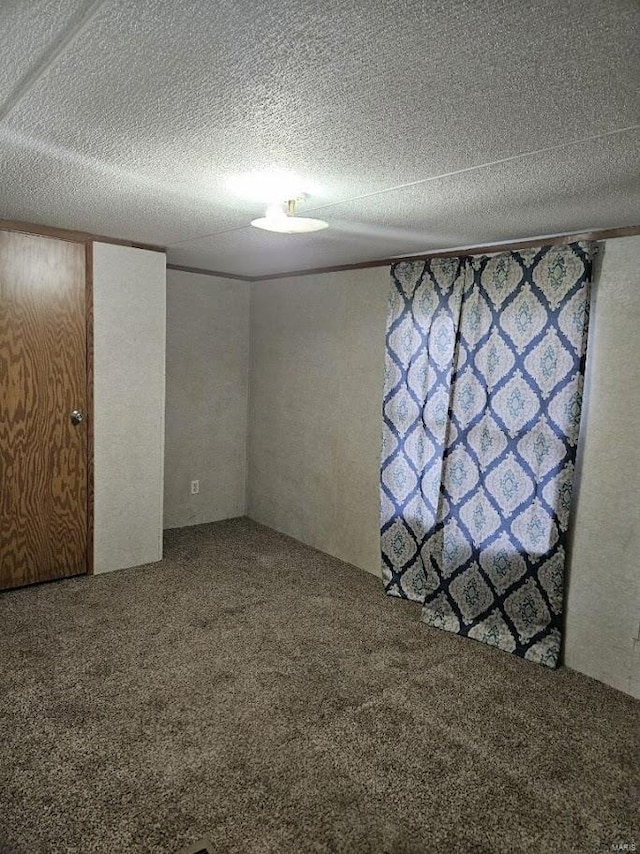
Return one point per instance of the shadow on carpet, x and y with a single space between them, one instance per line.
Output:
270 698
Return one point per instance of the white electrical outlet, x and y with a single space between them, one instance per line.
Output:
195 487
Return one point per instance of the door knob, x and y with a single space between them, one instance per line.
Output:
77 417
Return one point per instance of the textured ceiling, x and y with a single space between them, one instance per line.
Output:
424 125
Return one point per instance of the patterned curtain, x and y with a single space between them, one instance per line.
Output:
482 398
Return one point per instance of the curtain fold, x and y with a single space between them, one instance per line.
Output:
481 411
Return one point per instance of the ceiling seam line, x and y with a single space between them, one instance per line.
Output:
521 156
49 58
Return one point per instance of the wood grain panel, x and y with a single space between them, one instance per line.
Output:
89 402
43 457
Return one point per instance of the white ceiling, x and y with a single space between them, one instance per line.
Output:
424 125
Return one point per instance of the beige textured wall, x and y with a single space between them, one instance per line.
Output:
317 352
603 611
317 356
129 385
207 388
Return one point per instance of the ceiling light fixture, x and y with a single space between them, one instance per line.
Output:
270 186
282 218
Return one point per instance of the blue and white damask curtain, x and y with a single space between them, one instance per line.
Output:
483 390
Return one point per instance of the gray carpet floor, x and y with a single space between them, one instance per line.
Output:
256 692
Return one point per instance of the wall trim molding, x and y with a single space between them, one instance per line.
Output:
481 249
463 251
202 271
74 236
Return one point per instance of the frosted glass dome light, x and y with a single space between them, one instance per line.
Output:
282 219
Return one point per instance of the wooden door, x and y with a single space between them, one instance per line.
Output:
43 378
